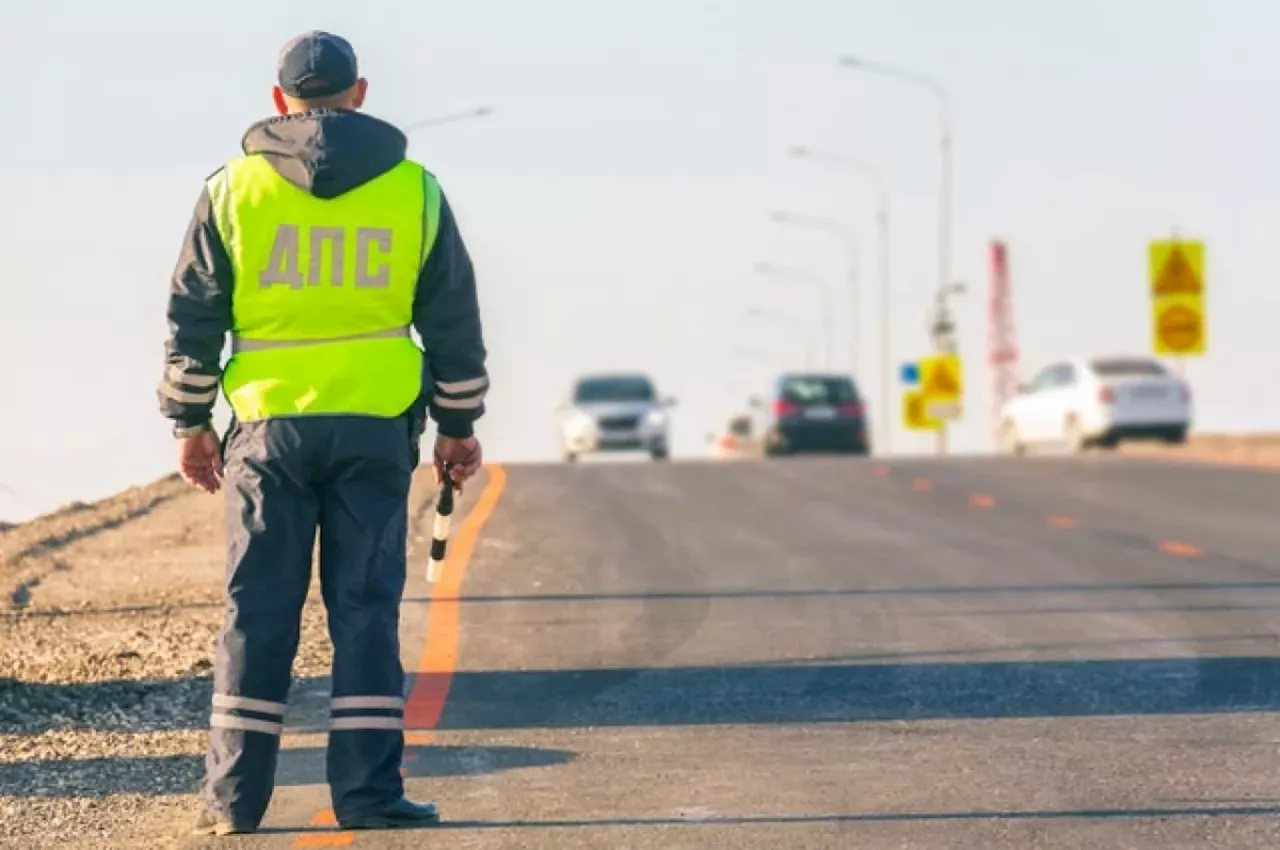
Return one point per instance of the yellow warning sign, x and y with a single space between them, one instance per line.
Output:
1178 325
942 385
914 414
1177 268
1177 297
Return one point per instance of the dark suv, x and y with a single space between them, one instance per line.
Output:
813 412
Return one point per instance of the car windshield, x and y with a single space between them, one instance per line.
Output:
1127 367
818 389
613 389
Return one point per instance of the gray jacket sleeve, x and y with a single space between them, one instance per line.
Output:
446 315
199 318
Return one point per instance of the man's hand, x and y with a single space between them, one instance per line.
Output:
200 460
463 455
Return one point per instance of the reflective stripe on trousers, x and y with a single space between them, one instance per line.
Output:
347 478
349 714
239 343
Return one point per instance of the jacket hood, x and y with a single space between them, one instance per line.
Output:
327 152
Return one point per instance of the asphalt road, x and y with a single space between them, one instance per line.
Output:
986 653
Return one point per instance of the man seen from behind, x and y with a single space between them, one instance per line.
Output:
316 253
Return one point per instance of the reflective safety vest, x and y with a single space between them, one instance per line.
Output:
322 304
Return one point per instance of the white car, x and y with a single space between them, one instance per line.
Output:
1100 402
614 412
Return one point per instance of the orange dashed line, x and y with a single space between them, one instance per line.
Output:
982 500
880 471
1182 550
435 669
325 839
1064 522
922 484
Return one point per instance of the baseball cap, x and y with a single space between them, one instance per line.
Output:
317 64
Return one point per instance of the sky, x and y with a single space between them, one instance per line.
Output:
618 199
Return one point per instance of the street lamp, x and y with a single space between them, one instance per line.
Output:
824 295
941 324
755 353
855 296
449 118
769 357
943 97
945 142
804 328
876 177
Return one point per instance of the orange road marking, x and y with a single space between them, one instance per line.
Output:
426 699
922 484
1064 522
880 471
325 839
982 500
435 668
1182 550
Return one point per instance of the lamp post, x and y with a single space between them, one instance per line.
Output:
449 118
876 177
777 272
758 354
797 324
943 97
850 235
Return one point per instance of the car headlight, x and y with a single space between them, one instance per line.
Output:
580 424
655 419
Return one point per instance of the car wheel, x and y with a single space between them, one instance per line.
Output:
1010 441
1073 435
1177 438
658 453
570 457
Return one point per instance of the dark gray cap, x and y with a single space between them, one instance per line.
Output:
317 64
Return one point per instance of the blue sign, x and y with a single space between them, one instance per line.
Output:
910 374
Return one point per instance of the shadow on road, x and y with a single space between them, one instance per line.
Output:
113 705
886 817
853 689
1091 589
877 817
163 775
963 591
834 693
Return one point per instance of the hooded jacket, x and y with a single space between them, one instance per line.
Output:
325 152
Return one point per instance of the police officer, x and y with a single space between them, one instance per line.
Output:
317 252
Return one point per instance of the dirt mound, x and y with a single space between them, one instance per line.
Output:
108 616
1260 449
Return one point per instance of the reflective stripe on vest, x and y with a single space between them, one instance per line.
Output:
324 289
239 344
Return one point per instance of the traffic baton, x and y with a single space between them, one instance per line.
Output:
440 533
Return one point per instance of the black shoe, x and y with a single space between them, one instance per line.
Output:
398 814
210 823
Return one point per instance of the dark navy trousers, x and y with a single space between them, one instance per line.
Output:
346 480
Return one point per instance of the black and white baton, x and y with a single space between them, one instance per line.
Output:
440 533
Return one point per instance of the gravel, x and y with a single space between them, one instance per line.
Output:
108 617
